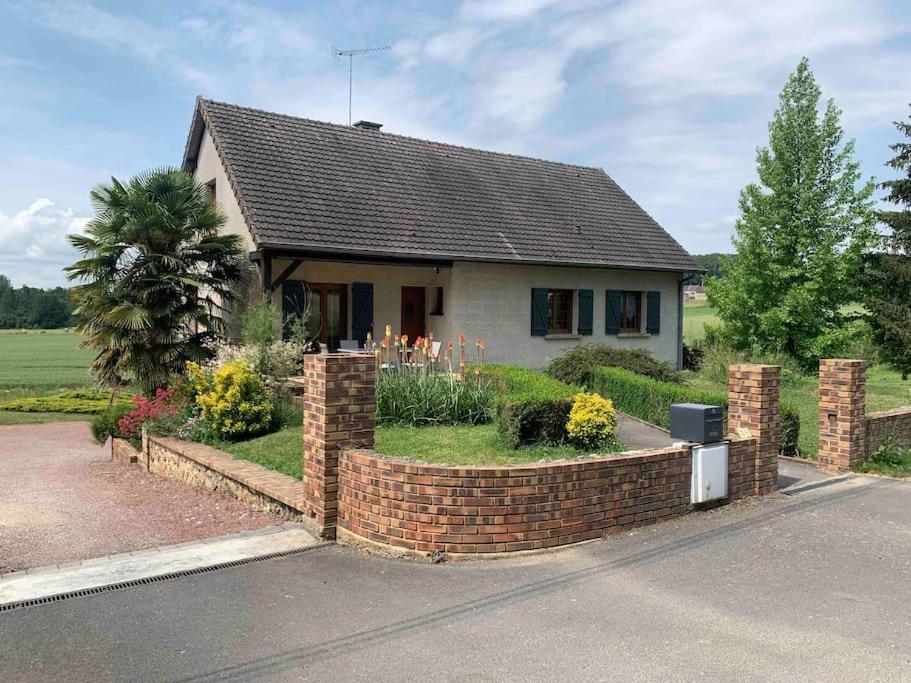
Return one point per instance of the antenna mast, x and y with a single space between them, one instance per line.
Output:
350 55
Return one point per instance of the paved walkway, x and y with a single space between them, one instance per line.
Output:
62 499
637 434
811 586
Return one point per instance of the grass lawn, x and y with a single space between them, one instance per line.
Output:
696 315
35 363
282 451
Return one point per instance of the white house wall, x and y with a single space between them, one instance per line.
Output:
208 168
493 302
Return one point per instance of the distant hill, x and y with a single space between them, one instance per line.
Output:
712 265
33 308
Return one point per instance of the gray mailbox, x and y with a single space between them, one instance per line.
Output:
696 422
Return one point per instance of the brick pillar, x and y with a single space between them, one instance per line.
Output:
842 412
339 412
753 405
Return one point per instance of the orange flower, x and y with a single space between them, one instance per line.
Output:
388 330
396 340
477 372
384 343
462 338
370 336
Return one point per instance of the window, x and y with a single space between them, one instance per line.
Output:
559 311
331 301
630 311
212 195
437 301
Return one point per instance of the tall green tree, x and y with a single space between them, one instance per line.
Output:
154 277
802 232
887 276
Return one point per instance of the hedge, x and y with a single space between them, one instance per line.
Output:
650 400
533 407
84 401
646 398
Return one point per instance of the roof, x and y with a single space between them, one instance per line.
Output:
315 186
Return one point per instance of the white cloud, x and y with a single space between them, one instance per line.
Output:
453 47
33 244
503 10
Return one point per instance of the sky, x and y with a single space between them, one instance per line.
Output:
669 97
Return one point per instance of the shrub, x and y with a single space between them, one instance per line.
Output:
105 424
650 400
693 355
576 365
790 430
164 404
533 407
532 420
647 398
85 401
233 400
592 421
718 356
433 398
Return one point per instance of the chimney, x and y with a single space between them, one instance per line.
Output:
368 125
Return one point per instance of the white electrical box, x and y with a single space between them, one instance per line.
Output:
710 472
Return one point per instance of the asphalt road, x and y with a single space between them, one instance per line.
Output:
804 587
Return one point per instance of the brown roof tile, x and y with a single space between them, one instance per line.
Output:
307 184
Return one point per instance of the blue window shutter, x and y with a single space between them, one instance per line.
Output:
362 313
294 298
653 313
612 320
538 312
586 311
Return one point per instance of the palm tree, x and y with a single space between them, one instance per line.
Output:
154 278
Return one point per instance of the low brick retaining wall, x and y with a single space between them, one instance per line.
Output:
888 424
501 509
213 470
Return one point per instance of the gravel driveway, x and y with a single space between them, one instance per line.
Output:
62 499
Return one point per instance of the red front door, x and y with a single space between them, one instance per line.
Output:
413 299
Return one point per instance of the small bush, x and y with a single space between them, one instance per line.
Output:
531 420
534 408
234 401
164 404
790 430
106 423
592 421
892 459
577 365
693 355
647 398
434 398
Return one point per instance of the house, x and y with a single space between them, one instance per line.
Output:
694 293
532 256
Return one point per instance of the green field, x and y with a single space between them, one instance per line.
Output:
696 314
37 362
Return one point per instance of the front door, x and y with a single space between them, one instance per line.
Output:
413 312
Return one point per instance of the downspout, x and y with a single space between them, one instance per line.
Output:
683 279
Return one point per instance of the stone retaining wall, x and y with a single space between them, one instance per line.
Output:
212 470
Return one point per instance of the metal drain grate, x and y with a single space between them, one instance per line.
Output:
35 602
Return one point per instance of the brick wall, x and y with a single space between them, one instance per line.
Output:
887 424
842 407
742 456
499 509
339 410
753 406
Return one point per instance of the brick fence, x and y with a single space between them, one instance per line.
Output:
426 508
847 434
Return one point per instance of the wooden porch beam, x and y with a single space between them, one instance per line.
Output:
285 274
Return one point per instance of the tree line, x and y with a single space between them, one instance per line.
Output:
34 308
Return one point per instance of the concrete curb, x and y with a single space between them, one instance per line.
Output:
59 580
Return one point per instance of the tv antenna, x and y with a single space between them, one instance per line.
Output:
350 55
